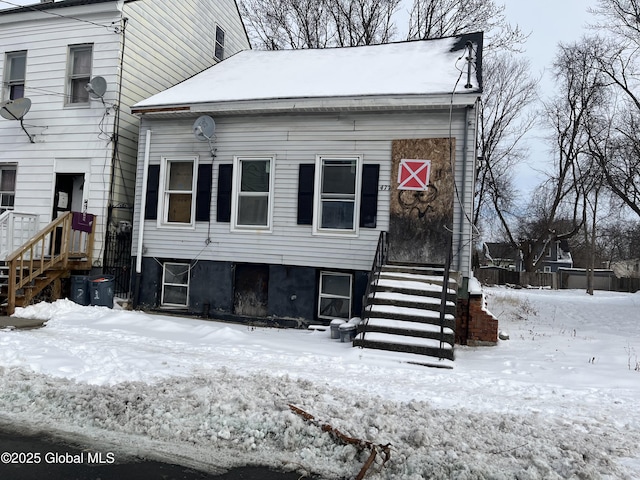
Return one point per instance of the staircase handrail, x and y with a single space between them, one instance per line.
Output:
31 259
445 289
379 259
15 229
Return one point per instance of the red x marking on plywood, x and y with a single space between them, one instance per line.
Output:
414 174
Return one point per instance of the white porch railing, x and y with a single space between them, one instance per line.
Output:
16 229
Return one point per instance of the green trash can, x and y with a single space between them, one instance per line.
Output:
80 289
101 290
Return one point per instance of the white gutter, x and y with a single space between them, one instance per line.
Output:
143 201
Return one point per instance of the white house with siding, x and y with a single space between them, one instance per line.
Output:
76 150
264 182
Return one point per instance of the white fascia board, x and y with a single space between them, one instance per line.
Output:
372 103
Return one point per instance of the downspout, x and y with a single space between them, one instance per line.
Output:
462 191
143 206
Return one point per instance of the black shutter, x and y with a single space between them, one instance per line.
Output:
305 193
223 205
153 183
369 196
203 192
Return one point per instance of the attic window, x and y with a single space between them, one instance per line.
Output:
219 44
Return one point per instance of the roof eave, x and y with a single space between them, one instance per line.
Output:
319 104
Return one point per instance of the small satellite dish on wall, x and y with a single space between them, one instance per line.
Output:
15 109
96 87
204 128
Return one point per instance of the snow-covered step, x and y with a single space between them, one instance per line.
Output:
417 277
397 343
409 329
410 300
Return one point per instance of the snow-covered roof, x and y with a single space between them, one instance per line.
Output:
424 67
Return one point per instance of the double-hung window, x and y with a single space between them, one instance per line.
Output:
178 186
79 74
175 284
14 75
335 295
7 187
218 49
252 193
337 194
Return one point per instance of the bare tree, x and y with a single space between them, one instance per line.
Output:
444 18
295 24
505 118
617 57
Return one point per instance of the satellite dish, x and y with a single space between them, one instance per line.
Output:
204 128
15 109
96 87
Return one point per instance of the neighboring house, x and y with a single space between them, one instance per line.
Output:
627 268
264 182
503 255
80 65
557 255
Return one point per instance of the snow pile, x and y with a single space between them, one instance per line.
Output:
558 400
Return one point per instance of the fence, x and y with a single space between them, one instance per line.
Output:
565 278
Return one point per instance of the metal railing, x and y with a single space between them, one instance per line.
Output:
16 229
379 259
445 291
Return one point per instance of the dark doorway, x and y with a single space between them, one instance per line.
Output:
251 290
67 197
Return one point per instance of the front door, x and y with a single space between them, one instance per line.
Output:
421 206
67 197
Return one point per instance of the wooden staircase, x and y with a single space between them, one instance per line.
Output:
51 254
407 310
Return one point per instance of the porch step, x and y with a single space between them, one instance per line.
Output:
403 312
398 343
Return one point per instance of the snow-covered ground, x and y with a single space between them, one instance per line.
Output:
559 399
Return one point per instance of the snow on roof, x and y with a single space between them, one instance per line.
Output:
405 68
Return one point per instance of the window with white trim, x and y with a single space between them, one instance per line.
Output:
335 295
14 75
547 269
337 194
79 74
175 284
218 48
177 191
7 187
252 193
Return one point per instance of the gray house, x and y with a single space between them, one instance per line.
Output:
267 183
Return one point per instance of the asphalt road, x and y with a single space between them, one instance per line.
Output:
29 457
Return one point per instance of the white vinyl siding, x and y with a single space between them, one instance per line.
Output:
252 194
14 75
295 140
177 203
79 74
337 194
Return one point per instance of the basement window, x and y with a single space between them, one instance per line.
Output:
175 284
335 295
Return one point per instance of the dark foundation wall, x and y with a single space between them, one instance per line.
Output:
292 292
211 288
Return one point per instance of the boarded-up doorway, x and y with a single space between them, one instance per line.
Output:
420 219
251 290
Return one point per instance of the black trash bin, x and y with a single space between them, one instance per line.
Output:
80 289
101 290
